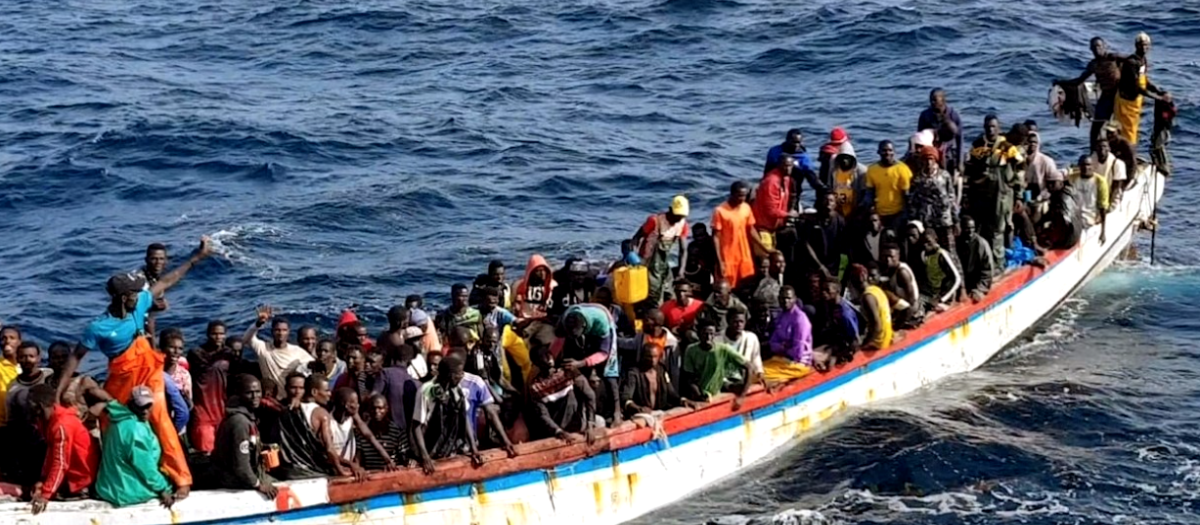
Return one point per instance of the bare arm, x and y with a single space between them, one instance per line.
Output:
363 429
493 416
418 441
870 312
716 235
173 277
261 315
320 423
682 256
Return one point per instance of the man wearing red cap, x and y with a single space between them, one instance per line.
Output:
839 144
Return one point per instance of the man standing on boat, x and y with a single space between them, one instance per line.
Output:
734 235
772 205
655 241
793 146
944 120
991 174
887 186
120 335
156 264
1106 66
1091 194
1135 84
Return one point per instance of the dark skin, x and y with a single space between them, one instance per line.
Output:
639 237
322 422
28 359
968 229
251 396
737 197
692 383
11 339
737 326
295 391
870 311
825 210
450 380
1085 172
327 354
307 339
121 306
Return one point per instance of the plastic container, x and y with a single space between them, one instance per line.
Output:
631 284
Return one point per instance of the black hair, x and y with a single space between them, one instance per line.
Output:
294 375
42 396
308 327
496 264
491 291
12 327
342 395
58 346
729 315
213 324
458 287
278 321
397 316
312 381
29 344
239 384
155 247
169 333
990 117
738 186
793 131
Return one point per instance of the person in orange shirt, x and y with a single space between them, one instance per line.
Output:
733 230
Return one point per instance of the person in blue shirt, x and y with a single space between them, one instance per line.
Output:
179 410
120 335
944 120
793 144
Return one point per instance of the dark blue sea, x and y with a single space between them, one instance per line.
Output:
356 152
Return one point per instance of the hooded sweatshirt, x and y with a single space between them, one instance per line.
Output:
849 185
529 300
129 472
348 318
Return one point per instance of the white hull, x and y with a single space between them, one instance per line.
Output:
617 485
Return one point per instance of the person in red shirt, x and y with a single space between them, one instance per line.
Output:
773 197
72 456
680 313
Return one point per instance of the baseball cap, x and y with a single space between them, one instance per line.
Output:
413 332
141 396
124 283
680 206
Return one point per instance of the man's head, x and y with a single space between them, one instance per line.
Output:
651 356
459 296
294 385
1141 44
1031 125
397 318
991 127
42 399
170 341
722 290
967 226
450 370
683 291
374 363
463 337
776 264
706 331
214 334
354 359
491 298
1034 143
858 277
736 319
248 389
346 399
316 388
124 288
1085 167
785 163
307 338
913 231
937 100
574 323
490 336
10 338
380 411
279 331
1102 148
738 192
793 140
326 350
57 355
831 291
787 297
930 239
496 272
827 203
887 152
652 321
414 301
141 400
874 223
29 356
603 295
891 256
1099 47
156 259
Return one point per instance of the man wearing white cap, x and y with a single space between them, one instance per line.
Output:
655 240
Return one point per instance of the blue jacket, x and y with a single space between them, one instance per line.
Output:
176 404
804 164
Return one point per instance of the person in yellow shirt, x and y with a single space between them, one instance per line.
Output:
10 338
849 183
887 185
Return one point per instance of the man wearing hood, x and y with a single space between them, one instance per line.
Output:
839 144
848 179
531 295
237 459
129 465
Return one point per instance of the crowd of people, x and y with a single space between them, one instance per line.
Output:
766 293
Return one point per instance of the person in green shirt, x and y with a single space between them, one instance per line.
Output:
708 364
129 472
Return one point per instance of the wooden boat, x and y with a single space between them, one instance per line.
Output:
635 469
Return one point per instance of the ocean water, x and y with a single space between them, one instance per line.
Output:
356 152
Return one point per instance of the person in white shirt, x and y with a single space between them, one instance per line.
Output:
1108 166
745 343
280 358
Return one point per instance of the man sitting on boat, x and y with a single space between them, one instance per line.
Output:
874 307
976 258
707 365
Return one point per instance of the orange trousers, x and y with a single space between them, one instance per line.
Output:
143 365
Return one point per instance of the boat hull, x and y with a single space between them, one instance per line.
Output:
631 472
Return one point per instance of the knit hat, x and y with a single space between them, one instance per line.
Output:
418 317
923 138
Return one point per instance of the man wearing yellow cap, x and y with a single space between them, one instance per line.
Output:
654 242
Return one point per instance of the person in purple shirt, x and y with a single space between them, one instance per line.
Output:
399 387
944 121
792 336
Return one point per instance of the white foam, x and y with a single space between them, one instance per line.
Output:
233 245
